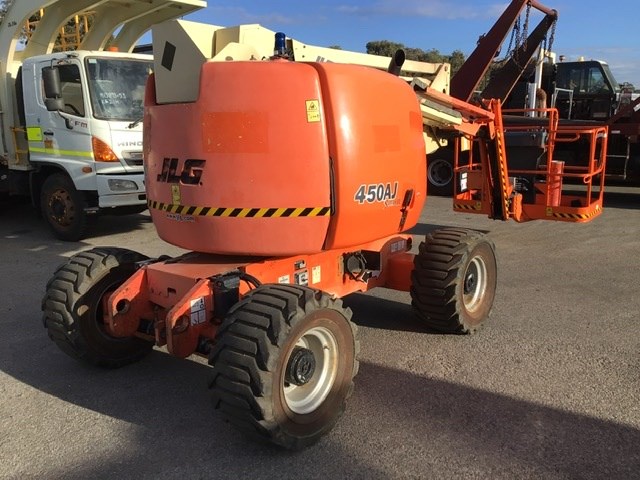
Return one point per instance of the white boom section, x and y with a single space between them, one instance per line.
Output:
181 47
190 44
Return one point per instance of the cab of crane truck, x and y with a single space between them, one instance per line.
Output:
83 111
585 90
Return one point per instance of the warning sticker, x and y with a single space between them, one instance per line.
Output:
198 314
313 111
398 246
175 194
316 274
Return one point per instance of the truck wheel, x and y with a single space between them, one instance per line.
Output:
283 364
454 280
63 207
73 307
440 172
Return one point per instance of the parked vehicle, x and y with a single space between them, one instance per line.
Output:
71 122
294 184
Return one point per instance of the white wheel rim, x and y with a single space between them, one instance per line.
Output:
475 284
304 399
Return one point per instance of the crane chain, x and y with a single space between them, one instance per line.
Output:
525 27
552 35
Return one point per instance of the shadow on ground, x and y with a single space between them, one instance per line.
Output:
376 312
19 218
396 421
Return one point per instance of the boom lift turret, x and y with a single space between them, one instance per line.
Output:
293 184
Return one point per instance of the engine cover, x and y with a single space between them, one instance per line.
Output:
283 158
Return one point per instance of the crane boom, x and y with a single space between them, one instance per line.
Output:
467 79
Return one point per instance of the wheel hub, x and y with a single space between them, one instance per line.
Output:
475 283
470 283
301 366
60 207
310 370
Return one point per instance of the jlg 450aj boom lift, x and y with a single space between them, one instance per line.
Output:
293 184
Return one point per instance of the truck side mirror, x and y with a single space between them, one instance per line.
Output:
52 89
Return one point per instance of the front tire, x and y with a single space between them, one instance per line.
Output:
73 307
453 283
63 207
283 364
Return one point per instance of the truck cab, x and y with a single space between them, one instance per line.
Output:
71 112
93 129
585 90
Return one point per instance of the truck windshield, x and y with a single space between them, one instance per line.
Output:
116 87
591 77
609 75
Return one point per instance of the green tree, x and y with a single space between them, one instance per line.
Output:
383 47
387 48
456 59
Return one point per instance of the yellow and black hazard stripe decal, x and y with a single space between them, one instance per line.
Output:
240 212
575 216
467 206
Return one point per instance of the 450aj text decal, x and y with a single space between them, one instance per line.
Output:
376 192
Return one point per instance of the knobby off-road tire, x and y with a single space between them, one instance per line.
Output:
73 307
264 380
63 208
453 283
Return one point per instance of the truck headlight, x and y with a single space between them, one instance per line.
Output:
119 185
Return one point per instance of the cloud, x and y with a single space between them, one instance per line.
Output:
624 61
441 9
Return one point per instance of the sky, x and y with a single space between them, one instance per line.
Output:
586 28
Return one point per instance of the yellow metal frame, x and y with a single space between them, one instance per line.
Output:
19 151
69 36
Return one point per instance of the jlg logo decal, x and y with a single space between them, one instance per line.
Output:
376 192
190 174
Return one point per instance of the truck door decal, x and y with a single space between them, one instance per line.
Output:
34 134
55 151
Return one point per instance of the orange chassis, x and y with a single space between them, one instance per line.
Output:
181 302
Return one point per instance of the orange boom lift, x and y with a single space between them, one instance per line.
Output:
294 184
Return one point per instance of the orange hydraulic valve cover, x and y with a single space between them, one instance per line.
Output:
283 158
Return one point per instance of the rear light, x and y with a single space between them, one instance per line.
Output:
102 152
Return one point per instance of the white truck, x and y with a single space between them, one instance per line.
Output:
70 122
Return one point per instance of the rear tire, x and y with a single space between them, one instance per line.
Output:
63 207
283 364
73 310
454 280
